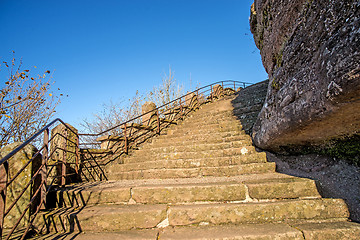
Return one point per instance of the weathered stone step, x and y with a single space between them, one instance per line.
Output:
203 115
220 191
233 170
208 123
245 101
201 136
206 145
163 141
279 231
102 218
252 108
262 212
142 164
195 154
230 126
204 130
246 115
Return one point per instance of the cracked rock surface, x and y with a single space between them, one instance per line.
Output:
310 49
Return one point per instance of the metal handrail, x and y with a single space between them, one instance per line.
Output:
157 108
12 153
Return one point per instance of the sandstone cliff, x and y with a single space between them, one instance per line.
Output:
311 51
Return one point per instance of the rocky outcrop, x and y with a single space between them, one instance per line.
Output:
310 49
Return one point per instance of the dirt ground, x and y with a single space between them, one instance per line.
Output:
334 178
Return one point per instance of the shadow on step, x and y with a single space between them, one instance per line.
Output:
248 103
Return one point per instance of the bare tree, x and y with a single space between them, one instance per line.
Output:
114 114
26 103
167 91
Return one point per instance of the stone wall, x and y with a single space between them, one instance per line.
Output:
17 162
310 49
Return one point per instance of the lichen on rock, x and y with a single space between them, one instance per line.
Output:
310 49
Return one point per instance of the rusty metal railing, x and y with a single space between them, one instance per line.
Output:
137 130
60 160
24 188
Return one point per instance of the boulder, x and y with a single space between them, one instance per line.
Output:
310 49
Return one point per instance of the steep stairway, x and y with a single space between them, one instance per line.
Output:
203 179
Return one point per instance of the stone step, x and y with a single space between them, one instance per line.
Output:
230 125
195 154
247 115
143 164
206 145
248 100
220 191
252 108
279 231
208 122
103 218
233 170
203 130
261 212
201 136
163 141
230 155
203 115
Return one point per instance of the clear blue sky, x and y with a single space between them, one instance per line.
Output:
106 50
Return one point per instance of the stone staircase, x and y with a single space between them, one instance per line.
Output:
202 180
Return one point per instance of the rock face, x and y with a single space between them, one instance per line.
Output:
311 51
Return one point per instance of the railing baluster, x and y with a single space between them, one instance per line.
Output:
126 141
181 110
4 171
63 162
43 172
77 152
158 122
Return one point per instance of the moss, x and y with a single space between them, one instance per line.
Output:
347 148
278 59
266 15
275 84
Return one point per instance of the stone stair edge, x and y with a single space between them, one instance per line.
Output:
150 216
279 231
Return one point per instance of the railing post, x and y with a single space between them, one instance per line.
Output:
222 84
197 98
77 152
158 121
4 171
234 86
63 154
63 162
181 109
43 172
126 145
211 93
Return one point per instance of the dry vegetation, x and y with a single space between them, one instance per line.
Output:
26 102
